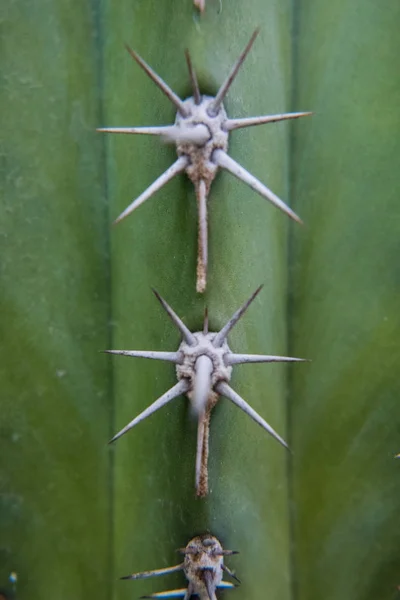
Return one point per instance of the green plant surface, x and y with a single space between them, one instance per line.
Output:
54 307
345 303
155 507
77 514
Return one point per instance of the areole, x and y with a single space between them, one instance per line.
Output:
203 567
201 135
204 364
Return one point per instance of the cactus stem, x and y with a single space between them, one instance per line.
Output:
201 133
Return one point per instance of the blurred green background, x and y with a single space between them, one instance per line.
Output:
75 514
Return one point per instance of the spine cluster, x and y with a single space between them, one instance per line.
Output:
203 361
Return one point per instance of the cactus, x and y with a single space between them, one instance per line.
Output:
321 521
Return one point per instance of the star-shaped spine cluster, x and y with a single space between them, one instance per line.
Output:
204 365
203 567
201 134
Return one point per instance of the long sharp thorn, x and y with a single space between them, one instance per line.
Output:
202 252
181 593
175 357
223 334
193 78
228 552
223 90
227 585
178 166
226 162
225 390
155 573
209 583
159 82
180 388
185 331
202 383
197 134
232 124
231 574
189 592
239 359
162 131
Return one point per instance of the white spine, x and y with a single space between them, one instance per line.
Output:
202 383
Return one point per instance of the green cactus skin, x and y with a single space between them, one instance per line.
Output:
155 507
345 303
75 514
55 403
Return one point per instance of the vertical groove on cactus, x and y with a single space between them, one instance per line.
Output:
100 42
